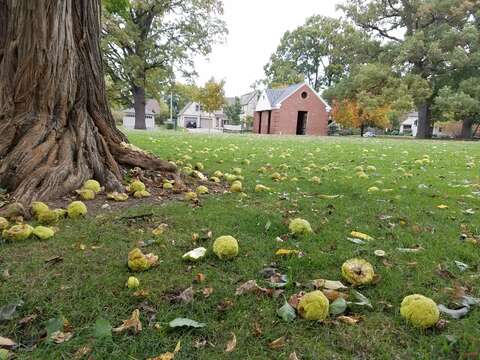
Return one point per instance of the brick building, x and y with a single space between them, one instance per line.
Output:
294 110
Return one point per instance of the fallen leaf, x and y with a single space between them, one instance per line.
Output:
278 343
328 284
207 292
59 337
6 343
293 356
361 236
442 207
184 322
338 306
200 278
333 295
362 299
224 305
249 287
168 355
287 312
81 352
456 314
9 311
27 319
257 329
411 250
186 296
349 320
287 252
231 344
195 254
295 299
461 266
141 293
133 323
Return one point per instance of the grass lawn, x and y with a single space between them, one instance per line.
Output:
90 284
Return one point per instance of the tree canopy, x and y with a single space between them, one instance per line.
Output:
146 42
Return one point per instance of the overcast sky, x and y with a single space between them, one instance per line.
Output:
255 29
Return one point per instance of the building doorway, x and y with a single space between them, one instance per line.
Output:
302 122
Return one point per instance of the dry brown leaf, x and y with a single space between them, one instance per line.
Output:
257 329
133 323
207 292
231 344
200 278
225 305
293 356
60 337
186 296
350 320
333 295
6 342
141 293
27 319
278 343
250 286
295 299
81 352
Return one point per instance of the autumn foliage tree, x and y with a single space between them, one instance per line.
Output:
57 129
350 114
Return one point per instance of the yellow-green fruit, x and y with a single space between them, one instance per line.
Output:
167 186
86 194
420 311
39 207
47 217
3 223
237 171
190 196
230 178
373 189
61 213
137 261
215 179
358 271
225 247
371 168
314 306
4 354
202 190
236 187
300 227
76 209
133 282
117 196
93 185
141 194
199 166
136 185
43 232
218 174
18 232
316 179
276 176
261 188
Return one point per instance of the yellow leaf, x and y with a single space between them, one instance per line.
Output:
442 206
168 355
361 236
278 343
286 252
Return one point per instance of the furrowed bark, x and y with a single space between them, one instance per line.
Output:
424 130
139 105
56 128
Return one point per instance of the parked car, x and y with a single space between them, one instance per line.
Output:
369 134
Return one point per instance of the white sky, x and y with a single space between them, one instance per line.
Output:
255 29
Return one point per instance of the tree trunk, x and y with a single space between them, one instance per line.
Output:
424 129
139 105
56 128
467 127
362 129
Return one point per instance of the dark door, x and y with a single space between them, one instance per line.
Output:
302 123
260 123
269 121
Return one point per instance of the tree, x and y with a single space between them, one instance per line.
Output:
372 94
211 96
462 104
57 130
146 41
425 38
321 52
233 111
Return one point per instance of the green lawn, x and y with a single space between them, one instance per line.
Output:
90 284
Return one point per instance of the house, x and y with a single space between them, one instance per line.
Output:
294 110
249 104
410 125
152 107
194 117
452 129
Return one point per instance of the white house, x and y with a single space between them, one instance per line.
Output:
194 117
410 125
249 103
152 107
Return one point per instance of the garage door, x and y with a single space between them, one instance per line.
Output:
206 123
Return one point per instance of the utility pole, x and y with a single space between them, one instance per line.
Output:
171 111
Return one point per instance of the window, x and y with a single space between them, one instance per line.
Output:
197 108
304 95
439 129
